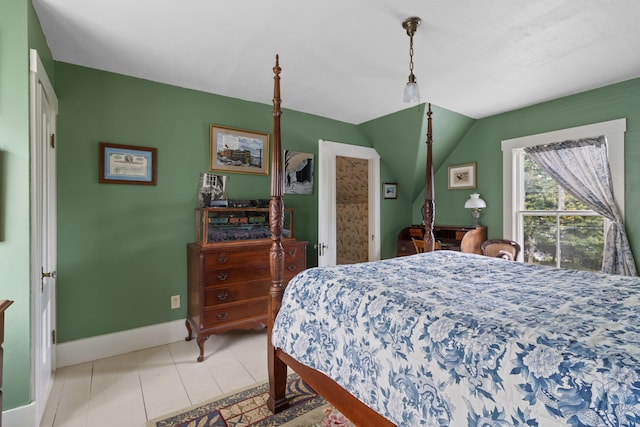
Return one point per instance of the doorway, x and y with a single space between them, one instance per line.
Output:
43 113
352 210
330 155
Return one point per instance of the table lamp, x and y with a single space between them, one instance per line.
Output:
476 204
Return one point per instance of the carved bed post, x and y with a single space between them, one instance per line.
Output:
428 209
277 369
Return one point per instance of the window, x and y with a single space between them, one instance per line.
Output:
552 226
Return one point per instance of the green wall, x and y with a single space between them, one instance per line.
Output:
14 200
482 144
19 30
123 245
400 138
121 248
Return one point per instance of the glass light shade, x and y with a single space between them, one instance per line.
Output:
475 202
411 92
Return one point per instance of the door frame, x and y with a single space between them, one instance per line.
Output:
42 162
327 153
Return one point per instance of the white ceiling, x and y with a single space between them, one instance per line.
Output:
349 59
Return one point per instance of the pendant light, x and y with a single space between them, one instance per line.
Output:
411 90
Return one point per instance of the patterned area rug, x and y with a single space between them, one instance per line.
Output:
248 408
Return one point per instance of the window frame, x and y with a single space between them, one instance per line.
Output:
513 185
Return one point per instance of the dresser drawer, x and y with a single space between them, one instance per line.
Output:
294 251
236 256
238 292
225 276
292 267
233 313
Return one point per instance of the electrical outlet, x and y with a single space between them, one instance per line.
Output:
175 301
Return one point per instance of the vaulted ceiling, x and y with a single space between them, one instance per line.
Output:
349 60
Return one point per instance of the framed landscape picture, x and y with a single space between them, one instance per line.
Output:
240 151
390 190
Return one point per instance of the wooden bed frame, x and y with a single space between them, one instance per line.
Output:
352 408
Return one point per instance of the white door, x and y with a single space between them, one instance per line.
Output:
327 153
44 106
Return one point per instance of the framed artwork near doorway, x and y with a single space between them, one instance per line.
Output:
298 172
390 190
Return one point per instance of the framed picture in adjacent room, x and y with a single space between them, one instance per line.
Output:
127 164
240 151
390 190
462 177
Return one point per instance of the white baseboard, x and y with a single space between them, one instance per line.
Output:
101 346
22 416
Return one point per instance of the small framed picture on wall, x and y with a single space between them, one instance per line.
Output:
390 190
462 177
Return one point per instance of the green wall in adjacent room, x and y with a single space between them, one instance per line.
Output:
482 144
122 248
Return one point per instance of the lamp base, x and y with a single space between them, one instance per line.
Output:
475 214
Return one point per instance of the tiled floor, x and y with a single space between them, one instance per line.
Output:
129 389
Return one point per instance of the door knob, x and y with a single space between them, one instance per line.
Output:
53 274
320 247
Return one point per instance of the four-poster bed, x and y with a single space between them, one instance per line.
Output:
448 338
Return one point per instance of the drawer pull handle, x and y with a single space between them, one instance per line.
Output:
291 252
223 296
223 276
291 267
222 258
222 316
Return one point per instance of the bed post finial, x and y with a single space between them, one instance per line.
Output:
428 209
277 369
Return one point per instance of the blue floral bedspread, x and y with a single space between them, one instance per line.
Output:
453 339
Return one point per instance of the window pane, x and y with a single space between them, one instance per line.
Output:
540 240
573 204
582 242
540 190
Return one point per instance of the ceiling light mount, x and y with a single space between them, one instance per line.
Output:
411 25
411 90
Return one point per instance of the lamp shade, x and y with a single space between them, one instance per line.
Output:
475 202
411 92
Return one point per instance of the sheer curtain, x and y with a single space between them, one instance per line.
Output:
581 167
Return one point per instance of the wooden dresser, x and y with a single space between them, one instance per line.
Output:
451 237
4 304
229 284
